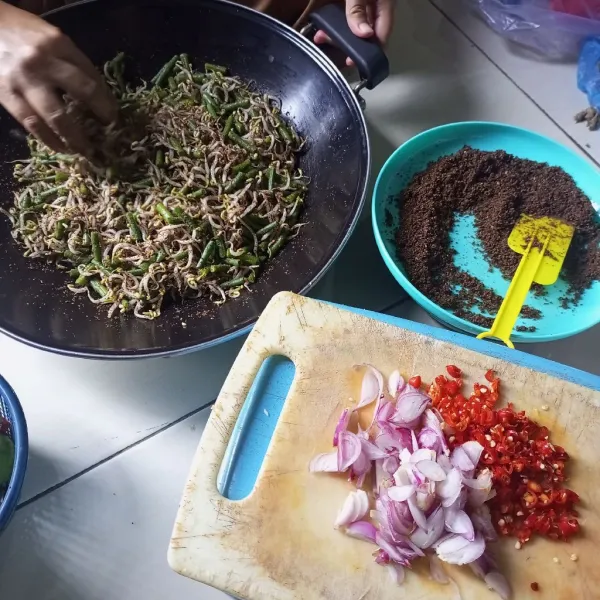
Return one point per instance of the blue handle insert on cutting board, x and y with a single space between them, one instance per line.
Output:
260 413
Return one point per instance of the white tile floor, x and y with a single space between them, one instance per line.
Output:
111 443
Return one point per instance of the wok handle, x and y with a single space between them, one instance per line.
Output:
367 54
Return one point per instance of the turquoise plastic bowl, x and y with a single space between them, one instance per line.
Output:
414 156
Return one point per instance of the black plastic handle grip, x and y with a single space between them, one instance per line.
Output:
367 54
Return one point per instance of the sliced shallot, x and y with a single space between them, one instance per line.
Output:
355 507
372 387
396 384
401 493
349 449
342 425
457 550
431 470
362 530
499 584
327 462
459 522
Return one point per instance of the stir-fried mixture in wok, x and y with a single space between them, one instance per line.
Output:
187 195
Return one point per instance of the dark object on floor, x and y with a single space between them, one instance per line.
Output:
496 188
590 116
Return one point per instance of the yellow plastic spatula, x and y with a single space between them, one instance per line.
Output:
543 242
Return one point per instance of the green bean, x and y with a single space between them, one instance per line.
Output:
233 283
50 192
210 106
163 75
215 68
234 262
267 228
236 139
98 264
232 106
60 177
221 247
81 281
142 183
165 213
207 254
197 194
239 127
242 166
183 216
185 61
296 210
181 255
228 126
219 268
160 256
134 227
198 78
96 247
285 133
270 177
277 246
159 160
176 145
60 229
249 259
99 288
235 183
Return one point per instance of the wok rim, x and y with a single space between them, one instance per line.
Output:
323 62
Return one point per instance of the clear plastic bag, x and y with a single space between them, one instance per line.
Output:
554 28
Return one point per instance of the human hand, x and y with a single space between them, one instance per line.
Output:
366 18
38 64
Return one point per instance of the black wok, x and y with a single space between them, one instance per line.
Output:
35 305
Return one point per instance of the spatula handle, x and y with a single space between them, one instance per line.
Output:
517 293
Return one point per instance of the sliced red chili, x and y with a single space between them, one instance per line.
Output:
527 469
415 381
454 371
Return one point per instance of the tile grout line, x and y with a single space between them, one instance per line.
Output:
490 59
99 463
110 457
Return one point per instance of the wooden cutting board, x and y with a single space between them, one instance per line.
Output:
279 542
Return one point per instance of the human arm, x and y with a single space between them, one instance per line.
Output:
367 19
38 64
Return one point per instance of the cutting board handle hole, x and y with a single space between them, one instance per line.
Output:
254 427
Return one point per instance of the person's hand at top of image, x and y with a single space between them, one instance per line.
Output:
367 19
37 60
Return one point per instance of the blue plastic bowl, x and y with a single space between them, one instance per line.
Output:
10 409
414 156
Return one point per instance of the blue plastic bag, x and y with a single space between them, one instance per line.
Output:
534 23
588 71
